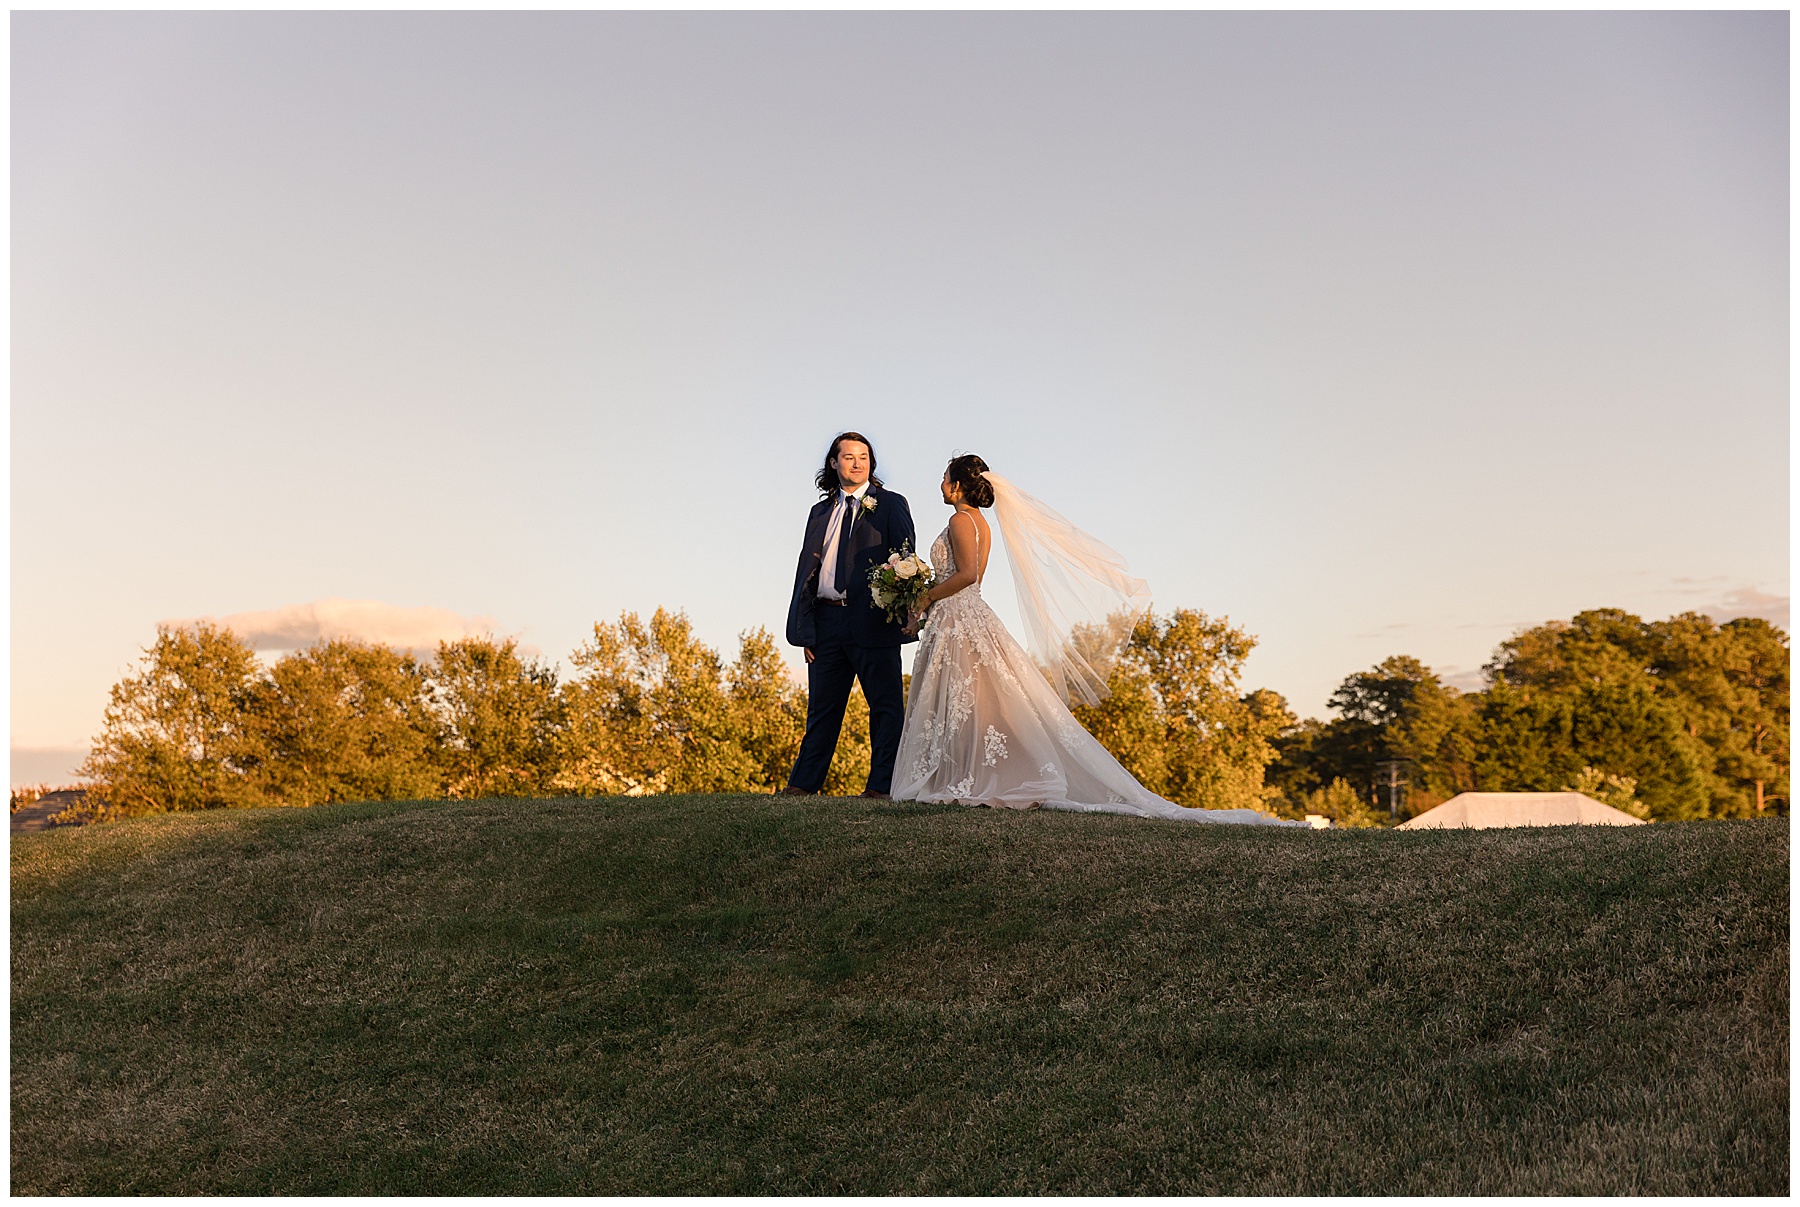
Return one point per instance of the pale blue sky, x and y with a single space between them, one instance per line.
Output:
1378 334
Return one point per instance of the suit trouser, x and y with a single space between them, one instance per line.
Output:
837 663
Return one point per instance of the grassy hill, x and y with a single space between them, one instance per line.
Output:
712 994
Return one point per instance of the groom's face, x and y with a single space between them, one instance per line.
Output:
852 462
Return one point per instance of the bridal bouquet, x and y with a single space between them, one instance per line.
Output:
900 583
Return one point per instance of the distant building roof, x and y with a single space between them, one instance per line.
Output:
1499 810
28 819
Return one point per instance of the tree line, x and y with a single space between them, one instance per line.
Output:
1670 720
204 724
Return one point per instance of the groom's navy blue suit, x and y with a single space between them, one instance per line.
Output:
850 641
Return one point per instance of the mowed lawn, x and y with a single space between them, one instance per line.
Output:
757 995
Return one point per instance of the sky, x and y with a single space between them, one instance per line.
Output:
1377 334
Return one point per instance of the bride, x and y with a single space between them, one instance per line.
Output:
988 723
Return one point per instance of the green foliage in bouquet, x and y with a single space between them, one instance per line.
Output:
898 585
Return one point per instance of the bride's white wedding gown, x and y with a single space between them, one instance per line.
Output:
984 727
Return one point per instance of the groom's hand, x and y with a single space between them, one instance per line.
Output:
807 650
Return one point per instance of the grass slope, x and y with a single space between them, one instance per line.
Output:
690 995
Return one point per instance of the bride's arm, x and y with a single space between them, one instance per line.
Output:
962 544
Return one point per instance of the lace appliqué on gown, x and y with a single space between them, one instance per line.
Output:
983 725
995 744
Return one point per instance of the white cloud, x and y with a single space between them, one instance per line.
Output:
54 765
1466 681
1748 601
298 626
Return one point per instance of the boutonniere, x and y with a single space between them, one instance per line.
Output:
868 504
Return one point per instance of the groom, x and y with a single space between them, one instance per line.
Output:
832 618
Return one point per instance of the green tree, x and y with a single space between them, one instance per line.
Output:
1730 683
1695 713
768 710
173 737
1537 740
343 721
1397 710
1346 807
1299 761
1600 647
651 712
1619 791
608 744
498 717
1174 717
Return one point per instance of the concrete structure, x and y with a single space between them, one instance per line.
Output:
1499 810
38 815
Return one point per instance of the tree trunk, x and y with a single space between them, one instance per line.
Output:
1759 796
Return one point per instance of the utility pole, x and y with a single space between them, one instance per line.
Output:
1390 775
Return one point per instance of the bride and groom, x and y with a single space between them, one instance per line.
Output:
988 723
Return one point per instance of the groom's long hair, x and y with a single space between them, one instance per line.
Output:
827 481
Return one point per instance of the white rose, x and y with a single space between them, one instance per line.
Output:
906 569
893 559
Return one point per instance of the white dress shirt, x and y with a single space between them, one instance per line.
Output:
829 587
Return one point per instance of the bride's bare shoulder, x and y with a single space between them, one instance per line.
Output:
972 533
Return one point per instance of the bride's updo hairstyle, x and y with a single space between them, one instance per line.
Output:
965 472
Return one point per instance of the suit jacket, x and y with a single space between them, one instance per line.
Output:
874 535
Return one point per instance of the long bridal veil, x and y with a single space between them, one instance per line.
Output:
987 717
1077 601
